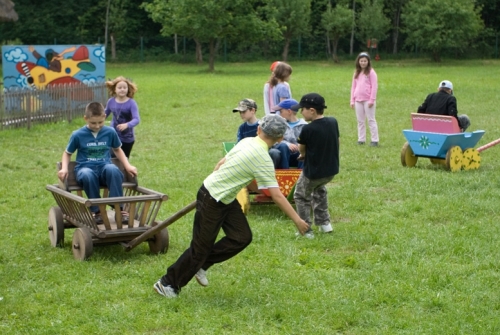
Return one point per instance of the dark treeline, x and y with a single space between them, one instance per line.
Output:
274 29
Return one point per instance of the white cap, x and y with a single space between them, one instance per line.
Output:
446 84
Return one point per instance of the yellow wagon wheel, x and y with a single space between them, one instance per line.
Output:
244 199
471 159
408 158
454 159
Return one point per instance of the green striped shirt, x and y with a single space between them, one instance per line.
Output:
248 160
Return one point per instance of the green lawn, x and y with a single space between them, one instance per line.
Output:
414 250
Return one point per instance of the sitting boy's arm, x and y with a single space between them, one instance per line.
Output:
132 170
302 152
63 173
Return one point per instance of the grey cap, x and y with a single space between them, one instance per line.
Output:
273 125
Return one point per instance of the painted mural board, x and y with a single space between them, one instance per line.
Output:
41 66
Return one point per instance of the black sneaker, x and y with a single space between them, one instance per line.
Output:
374 144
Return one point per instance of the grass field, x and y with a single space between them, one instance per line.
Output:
414 250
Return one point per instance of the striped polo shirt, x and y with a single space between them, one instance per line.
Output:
248 160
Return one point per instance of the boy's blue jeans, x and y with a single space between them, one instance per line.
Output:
91 178
283 158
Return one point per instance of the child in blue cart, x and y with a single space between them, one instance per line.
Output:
443 102
94 167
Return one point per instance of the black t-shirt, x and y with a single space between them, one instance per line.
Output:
321 138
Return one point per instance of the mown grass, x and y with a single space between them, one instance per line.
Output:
414 250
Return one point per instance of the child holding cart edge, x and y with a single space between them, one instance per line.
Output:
217 208
363 98
124 109
93 144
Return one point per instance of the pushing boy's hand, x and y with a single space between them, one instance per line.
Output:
302 226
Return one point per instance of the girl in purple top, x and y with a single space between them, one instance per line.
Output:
278 85
363 97
124 109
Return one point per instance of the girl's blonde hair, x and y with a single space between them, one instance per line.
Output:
111 85
280 73
368 68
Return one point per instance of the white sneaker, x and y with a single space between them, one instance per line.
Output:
166 291
201 277
326 228
308 234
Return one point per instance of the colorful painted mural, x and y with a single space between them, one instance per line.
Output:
41 66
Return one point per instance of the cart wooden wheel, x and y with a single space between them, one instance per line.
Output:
408 158
82 244
471 159
454 159
244 199
56 227
159 243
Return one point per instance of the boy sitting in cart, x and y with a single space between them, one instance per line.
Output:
94 167
443 102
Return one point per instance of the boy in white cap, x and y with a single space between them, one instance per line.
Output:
217 208
443 102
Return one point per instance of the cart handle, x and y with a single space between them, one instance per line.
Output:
150 232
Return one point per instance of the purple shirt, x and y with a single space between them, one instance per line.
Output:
124 112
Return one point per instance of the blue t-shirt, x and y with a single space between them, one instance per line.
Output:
281 91
247 130
93 148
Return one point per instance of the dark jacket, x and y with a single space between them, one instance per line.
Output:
440 103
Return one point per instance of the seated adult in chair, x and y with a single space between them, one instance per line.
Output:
443 102
285 153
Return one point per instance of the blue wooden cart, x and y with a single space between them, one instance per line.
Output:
439 138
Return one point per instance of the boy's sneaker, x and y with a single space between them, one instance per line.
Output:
308 234
326 228
201 277
166 291
98 218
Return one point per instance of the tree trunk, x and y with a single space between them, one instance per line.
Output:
334 53
328 48
436 56
176 45
106 26
395 34
199 55
211 60
285 49
113 45
351 48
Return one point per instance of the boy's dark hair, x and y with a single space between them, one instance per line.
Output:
94 109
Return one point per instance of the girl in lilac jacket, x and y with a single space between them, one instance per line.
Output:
363 98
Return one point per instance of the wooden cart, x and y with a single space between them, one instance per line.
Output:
252 195
439 138
72 211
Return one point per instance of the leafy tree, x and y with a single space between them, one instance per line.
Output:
210 21
337 22
371 22
445 24
394 9
292 17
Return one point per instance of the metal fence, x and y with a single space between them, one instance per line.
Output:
24 107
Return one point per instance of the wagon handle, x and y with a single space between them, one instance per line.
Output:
488 145
150 232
